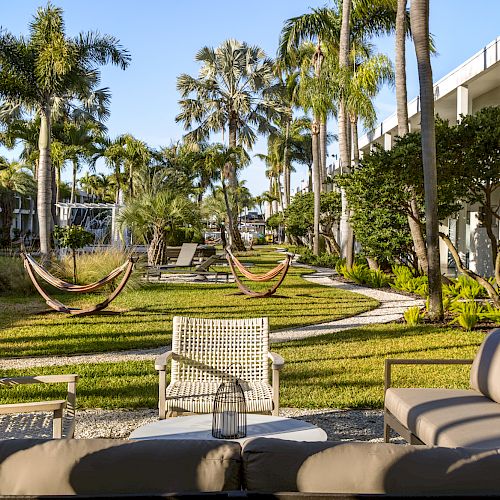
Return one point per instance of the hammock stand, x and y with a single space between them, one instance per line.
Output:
235 264
32 267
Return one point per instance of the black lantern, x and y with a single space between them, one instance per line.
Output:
229 414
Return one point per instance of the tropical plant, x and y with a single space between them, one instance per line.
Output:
468 314
73 237
38 72
491 313
234 94
15 178
413 316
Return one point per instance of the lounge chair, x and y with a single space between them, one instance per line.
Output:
184 260
204 351
62 425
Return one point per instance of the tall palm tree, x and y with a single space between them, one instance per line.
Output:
235 95
37 71
419 16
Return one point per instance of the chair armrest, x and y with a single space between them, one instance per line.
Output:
40 379
398 361
277 360
161 361
32 407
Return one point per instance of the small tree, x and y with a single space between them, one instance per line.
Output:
73 237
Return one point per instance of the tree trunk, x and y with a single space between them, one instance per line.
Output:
419 12
345 228
73 183
402 113
354 140
44 187
286 167
73 252
156 250
323 152
316 182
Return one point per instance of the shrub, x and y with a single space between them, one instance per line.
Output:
358 273
13 277
405 281
379 279
413 316
468 314
464 288
491 313
322 260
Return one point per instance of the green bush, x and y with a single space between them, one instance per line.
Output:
379 279
468 314
13 277
413 316
491 313
323 260
405 281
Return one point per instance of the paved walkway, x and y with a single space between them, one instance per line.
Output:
392 306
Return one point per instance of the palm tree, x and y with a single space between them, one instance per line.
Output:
15 178
235 95
419 15
48 66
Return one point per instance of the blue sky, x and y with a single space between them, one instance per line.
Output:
163 37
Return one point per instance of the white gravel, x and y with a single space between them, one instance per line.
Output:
340 425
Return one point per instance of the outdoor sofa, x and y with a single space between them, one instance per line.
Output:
449 417
108 467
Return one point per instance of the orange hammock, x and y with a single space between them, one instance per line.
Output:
280 268
32 266
70 287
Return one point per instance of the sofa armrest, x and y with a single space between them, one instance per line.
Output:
277 360
161 361
398 361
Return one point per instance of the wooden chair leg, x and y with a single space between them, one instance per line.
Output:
276 393
57 424
161 394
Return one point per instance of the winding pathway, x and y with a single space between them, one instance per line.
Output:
391 308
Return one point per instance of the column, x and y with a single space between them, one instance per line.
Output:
387 141
463 104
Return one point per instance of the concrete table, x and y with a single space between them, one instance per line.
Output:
200 427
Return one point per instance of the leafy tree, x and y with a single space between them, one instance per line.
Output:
479 154
46 67
15 178
73 237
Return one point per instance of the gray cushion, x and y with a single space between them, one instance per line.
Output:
447 417
109 466
485 370
274 465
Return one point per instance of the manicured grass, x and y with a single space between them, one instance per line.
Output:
146 314
341 370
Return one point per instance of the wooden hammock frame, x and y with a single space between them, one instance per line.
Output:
235 264
126 268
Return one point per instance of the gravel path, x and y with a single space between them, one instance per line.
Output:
340 425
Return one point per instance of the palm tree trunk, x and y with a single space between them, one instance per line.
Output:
286 166
316 182
322 147
419 16
345 228
402 113
44 187
73 184
354 140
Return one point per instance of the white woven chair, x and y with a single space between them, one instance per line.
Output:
204 350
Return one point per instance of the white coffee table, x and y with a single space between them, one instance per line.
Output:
200 427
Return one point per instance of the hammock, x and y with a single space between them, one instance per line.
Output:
256 277
126 268
283 268
70 287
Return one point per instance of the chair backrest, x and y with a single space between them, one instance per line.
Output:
205 265
485 369
208 349
186 254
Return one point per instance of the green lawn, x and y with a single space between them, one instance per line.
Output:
146 314
341 370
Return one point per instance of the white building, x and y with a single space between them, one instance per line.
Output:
475 84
